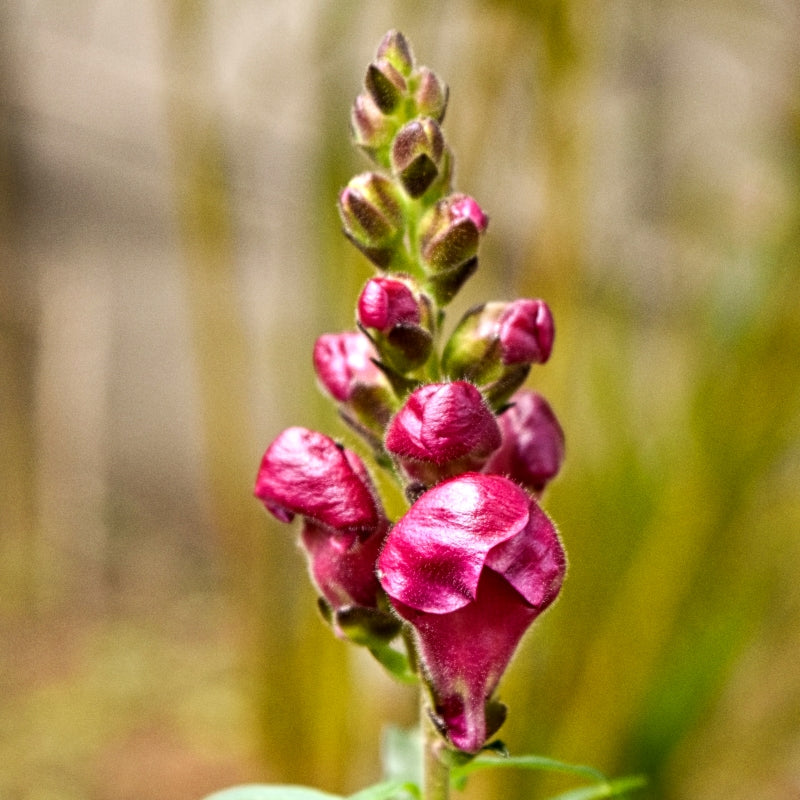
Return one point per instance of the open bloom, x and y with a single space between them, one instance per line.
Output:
442 430
533 442
470 566
306 473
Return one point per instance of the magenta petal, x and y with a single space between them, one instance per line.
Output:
441 422
466 652
526 331
385 303
533 561
307 473
344 360
433 557
533 442
343 568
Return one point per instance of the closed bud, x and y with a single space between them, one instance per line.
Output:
431 95
499 340
533 443
395 49
526 332
416 155
385 85
372 216
371 130
386 302
394 311
443 429
345 366
451 231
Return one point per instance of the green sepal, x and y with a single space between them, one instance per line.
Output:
395 663
445 284
369 627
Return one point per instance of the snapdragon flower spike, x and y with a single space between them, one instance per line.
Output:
393 311
532 451
372 216
443 429
470 566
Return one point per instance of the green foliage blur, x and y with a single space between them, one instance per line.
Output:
166 266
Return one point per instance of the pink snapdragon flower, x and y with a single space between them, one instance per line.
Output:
525 331
306 473
470 566
343 362
443 429
533 443
387 302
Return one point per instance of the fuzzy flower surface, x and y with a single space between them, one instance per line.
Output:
441 430
470 566
532 451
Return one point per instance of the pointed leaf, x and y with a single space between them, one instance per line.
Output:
615 788
388 790
459 774
395 663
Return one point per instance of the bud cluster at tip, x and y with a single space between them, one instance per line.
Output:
475 559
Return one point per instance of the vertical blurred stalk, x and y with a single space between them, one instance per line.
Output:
291 659
17 351
203 210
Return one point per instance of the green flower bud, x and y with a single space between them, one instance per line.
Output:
394 47
371 130
385 85
431 95
416 154
450 232
372 216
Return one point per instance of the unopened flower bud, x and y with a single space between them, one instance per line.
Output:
416 154
304 472
498 342
386 302
395 48
526 331
385 85
431 95
372 216
371 130
345 366
442 430
533 443
393 311
450 232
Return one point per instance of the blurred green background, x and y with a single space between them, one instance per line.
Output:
169 250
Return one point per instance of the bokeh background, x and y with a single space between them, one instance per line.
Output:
169 250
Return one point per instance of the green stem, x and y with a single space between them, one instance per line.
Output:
436 774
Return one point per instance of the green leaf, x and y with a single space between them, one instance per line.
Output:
388 790
272 792
615 788
401 754
458 775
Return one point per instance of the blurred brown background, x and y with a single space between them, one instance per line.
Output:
169 250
